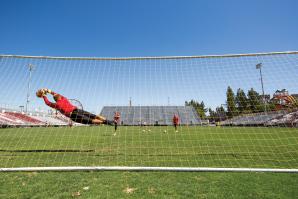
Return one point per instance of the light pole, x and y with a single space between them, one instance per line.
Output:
259 66
30 66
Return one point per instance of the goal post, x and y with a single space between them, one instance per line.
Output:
146 169
236 113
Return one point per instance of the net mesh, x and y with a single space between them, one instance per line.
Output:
254 131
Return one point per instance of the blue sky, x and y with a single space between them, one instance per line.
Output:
144 28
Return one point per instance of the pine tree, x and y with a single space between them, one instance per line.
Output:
231 104
212 115
254 101
199 107
242 101
221 113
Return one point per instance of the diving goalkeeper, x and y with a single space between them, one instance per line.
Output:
69 110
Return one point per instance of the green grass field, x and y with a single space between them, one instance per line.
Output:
190 147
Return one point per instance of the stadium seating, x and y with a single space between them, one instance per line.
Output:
290 119
25 118
14 118
152 115
50 120
255 119
9 121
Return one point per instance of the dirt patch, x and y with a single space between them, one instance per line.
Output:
129 190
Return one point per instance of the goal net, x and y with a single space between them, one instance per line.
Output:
234 112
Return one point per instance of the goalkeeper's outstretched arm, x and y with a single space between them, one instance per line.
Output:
47 102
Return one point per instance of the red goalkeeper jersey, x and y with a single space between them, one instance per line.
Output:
62 105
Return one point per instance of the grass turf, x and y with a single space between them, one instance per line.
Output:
191 146
147 185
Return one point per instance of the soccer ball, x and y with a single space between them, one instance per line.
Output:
165 131
40 93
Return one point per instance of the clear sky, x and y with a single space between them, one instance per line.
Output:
144 28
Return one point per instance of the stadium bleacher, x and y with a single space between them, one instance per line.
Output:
149 115
23 117
13 118
50 120
290 119
280 118
130 115
4 120
152 115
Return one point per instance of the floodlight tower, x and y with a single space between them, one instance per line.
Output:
30 67
259 66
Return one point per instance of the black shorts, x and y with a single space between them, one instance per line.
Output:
81 116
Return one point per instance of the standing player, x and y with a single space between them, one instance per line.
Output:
176 121
69 110
116 120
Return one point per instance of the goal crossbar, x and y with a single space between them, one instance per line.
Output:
148 58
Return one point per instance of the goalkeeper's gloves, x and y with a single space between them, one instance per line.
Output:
47 90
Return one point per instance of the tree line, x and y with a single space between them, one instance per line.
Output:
236 104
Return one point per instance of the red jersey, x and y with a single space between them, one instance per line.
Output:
175 119
117 117
62 105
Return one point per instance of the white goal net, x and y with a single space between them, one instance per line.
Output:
234 112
